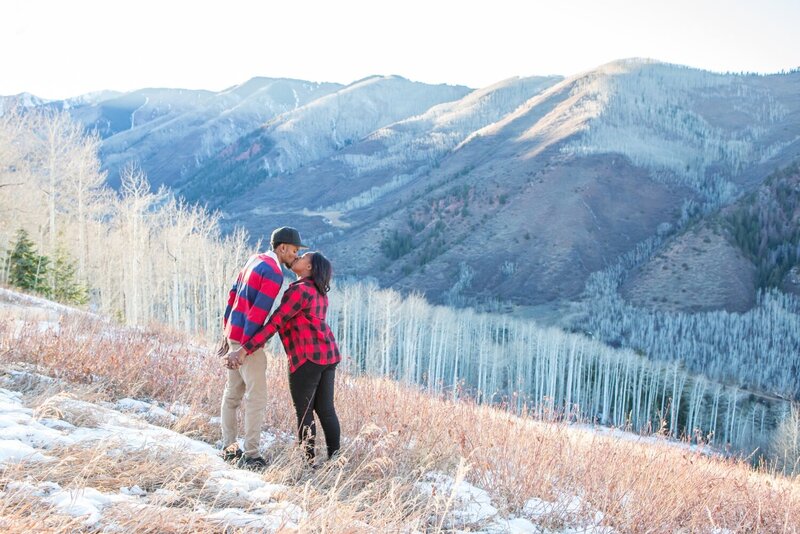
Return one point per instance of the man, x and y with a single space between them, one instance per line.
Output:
249 304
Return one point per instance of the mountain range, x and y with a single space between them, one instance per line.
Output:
513 193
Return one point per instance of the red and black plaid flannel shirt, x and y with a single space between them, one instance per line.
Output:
300 321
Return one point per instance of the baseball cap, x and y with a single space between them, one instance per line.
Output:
286 234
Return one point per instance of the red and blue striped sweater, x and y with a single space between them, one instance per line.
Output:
251 297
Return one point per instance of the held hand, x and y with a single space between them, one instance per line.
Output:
235 358
231 361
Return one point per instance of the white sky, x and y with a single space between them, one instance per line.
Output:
61 48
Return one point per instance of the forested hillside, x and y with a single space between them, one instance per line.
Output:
765 225
170 132
671 311
564 185
143 256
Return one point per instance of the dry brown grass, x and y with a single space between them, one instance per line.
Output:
21 515
394 435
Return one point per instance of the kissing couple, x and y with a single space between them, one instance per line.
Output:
309 343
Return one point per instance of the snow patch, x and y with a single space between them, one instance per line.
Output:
84 502
566 509
180 409
516 525
134 491
14 449
471 507
270 521
13 297
87 502
150 411
469 504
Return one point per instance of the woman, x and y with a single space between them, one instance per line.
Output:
310 347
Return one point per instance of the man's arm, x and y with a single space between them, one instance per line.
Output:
263 286
231 298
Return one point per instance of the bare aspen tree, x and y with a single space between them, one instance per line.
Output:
59 136
21 200
12 180
135 201
82 184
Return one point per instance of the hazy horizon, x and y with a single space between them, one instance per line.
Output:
62 50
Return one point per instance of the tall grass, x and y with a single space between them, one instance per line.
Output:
394 435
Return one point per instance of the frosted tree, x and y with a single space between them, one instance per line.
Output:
517 364
785 446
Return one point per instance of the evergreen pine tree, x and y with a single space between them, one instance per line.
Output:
26 268
66 287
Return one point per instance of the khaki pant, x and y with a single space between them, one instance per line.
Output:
248 382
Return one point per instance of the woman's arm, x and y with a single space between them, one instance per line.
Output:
293 302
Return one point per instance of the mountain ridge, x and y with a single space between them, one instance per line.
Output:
552 178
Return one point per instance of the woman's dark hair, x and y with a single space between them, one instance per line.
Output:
321 272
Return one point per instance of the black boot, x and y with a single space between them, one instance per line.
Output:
252 463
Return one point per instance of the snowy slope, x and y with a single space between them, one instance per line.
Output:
170 137
332 122
574 177
22 100
688 125
41 439
390 157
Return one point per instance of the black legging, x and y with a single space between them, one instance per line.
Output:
311 386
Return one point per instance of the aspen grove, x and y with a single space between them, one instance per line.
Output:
529 368
148 257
